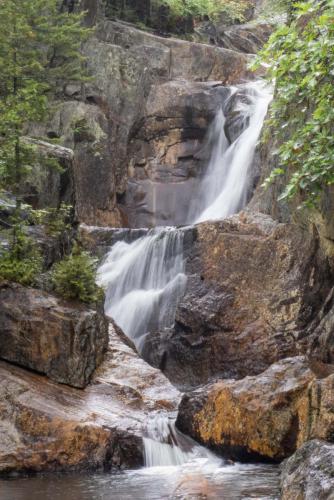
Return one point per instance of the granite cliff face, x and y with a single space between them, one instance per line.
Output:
254 285
139 124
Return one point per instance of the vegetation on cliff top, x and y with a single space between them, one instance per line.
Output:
176 16
300 59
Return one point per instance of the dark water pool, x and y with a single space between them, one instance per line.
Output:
191 481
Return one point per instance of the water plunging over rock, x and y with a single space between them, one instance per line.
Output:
144 281
225 187
164 445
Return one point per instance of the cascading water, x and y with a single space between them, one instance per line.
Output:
224 188
162 444
144 280
165 446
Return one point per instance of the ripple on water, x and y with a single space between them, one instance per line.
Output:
189 481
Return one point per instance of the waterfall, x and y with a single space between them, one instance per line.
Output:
225 187
144 281
165 446
162 445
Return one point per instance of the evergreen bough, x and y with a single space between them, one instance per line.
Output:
39 54
74 277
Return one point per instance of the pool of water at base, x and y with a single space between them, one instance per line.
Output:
188 482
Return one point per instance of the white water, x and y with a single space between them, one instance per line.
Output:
165 446
145 280
225 186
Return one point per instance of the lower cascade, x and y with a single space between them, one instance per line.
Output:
162 444
165 446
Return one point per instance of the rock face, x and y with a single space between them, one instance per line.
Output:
246 38
66 341
166 153
322 345
309 473
253 287
269 415
138 77
49 427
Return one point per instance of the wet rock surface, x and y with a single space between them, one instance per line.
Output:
309 473
45 426
64 340
253 287
265 416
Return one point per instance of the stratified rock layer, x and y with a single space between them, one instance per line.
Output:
309 473
269 415
45 426
64 340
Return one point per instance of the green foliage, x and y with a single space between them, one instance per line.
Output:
300 59
173 15
274 8
39 53
212 8
55 220
21 261
74 277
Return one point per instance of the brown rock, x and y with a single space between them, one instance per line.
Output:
64 340
253 287
269 415
49 427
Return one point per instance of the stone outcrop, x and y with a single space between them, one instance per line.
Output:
45 426
253 287
265 416
64 340
309 473
246 38
135 74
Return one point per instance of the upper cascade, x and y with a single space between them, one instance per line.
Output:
226 185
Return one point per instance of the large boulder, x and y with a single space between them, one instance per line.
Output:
309 473
253 287
45 426
64 340
265 416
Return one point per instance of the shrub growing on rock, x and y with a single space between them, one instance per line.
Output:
21 261
74 277
300 60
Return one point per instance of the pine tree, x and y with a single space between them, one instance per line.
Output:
39 53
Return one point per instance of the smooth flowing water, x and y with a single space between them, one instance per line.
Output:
225 186
144 281
192 481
